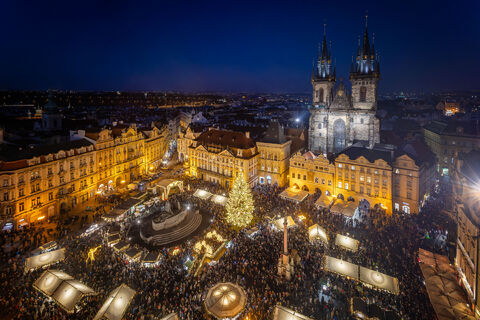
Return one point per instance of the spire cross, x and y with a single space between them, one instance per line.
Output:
324 29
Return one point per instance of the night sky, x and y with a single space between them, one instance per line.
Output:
257 46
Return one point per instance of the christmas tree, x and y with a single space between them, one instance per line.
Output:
240 204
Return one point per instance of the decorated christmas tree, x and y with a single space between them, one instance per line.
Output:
240 205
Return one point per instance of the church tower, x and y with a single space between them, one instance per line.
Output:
339 118
323 79
365 74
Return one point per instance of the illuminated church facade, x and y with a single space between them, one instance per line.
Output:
339 118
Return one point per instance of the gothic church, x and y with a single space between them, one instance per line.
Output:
339 118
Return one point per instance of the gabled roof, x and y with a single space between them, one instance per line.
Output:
226 138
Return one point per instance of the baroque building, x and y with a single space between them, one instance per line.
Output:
40 182
339 118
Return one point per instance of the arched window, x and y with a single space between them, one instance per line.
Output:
320 125
321 95
363 94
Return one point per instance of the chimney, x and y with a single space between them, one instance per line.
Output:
247 134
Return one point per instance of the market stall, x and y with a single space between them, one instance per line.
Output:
62 288
347 242
218 199
341 267
379 280
116 303
279 223
282 313
294 194
202 194
316 232
324 201
44 260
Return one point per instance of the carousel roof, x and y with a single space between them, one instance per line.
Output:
225 300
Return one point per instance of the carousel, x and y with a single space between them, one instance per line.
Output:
225 301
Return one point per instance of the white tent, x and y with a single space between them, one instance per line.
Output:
202 194
44 259
324 201
316 232
294 194
62 288
338 206
346 242
341 267
282 313
171 316
116 303
350 208
379 280
218 199
279 223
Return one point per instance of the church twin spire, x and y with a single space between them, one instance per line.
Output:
365 63
322 69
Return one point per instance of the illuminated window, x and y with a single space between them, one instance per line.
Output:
339 184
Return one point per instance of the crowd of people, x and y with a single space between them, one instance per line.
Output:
388 244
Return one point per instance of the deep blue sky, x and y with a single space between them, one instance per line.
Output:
232 45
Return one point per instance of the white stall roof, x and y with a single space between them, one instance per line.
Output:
44 259
346 242
116 303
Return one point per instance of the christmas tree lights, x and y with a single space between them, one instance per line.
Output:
240 204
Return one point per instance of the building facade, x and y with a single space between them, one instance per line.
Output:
338 118
312 173
274 153
465 181
219 156
447 139
45 181
385 176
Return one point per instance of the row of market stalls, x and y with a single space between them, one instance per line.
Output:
363 310
131 253
316 232
216 198
447 297
366 276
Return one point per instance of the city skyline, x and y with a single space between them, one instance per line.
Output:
232 48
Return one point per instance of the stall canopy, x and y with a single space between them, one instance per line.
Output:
62 288
350 208
379 280
324 201
121 246
45 247
171 316
225 300
279 223
218 199
133 253
447 297
316 232
346 242
294 194
116 304
202 194
113 239
152 257
341 267
282 313
44 259
338 206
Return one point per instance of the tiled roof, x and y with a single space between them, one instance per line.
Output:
13 157
225 138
